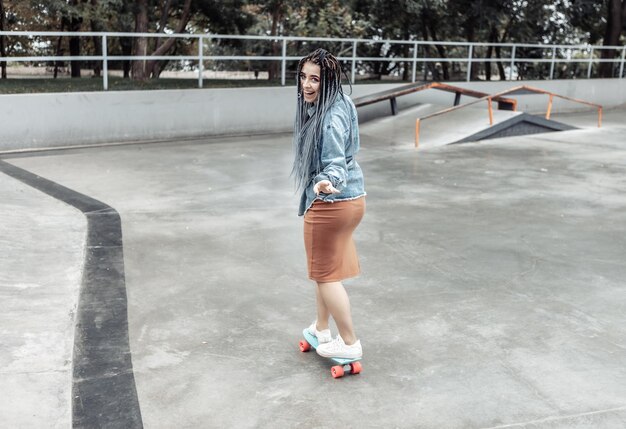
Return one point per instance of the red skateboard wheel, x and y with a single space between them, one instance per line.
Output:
304 346
337 371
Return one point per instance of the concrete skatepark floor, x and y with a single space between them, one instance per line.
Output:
492 292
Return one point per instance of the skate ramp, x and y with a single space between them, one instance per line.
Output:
454 127
431 125
398 130
518 125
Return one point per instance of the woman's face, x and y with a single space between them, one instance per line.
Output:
310 81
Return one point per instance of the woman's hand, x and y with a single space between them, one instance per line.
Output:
325 187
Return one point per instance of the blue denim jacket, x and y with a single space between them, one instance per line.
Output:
340 143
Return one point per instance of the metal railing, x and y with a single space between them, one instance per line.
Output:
417 46
520 90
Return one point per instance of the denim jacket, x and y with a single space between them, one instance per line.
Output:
339 144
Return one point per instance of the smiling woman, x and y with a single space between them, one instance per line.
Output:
310 81
326 140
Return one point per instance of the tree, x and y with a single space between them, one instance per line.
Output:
277 11
584 17
73 22
178 16
125 20
3 52
63 16
493 21
96 25
19 16
407 20
616 21
152 66
433 24
140 47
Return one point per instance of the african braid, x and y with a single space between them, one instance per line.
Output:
308 128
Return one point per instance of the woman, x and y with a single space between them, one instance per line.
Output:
326 139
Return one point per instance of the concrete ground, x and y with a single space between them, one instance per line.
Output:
492 292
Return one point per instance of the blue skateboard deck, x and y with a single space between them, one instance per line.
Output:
336 371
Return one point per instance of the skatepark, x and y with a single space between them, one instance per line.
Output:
491 295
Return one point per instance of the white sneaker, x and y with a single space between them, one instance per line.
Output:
322 336
338 349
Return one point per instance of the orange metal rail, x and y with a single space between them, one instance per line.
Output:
392 94
495 97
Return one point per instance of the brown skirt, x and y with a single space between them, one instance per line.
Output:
330 250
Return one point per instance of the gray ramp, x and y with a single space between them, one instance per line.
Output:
441 130
396 130
519 125
459 126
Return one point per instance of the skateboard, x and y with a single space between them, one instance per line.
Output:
353 366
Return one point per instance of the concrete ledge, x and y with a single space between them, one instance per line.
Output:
40 121
42 244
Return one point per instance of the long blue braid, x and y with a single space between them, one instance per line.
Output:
308 128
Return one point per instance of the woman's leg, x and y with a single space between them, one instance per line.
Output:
336 301
322 311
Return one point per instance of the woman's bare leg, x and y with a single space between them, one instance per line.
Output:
337 302
322 311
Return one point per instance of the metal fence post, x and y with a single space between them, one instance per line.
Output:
200 60
284 61
425 66
414 61
469 62
621 67
590 64
353 72
105 64
512 63
552 63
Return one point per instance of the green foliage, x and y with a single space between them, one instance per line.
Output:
502 21
221 16
588 17
529 21
320 18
